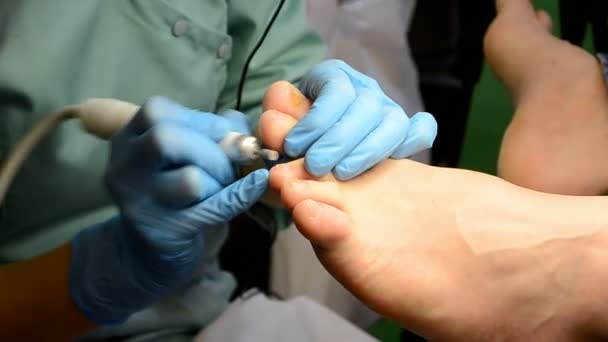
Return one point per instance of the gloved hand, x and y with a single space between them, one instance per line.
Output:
173 186
352 124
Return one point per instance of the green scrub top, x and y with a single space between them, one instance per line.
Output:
59 52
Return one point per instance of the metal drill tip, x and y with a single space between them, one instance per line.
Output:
269 155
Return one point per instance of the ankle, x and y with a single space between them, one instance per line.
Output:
579 76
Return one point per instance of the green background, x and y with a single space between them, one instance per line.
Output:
490 114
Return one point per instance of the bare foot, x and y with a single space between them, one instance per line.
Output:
446 252
325 211
558 138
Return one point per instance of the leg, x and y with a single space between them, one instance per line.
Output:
558 137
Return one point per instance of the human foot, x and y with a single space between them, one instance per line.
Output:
558 137
377 248
425 246
511 44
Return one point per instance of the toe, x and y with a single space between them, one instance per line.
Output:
283 173
324 225
286 98
294 192
274 127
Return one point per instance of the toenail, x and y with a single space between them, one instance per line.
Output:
313 208
295 97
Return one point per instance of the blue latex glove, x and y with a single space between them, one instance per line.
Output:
173 185
352 124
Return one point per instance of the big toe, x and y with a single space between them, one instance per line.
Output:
286 98
294 170
317 204
295 191
324 225
284 105
282 173
274 127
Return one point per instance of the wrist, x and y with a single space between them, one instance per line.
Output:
101 279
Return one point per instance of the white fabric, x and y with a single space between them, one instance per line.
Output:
370 35
256 318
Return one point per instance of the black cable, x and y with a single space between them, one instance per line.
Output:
253 52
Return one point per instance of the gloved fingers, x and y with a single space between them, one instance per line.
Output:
421 135
324 74
332 93
232 200
238 121
158 110
362 117
325 70
169 146
181 187
377 146
357 78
